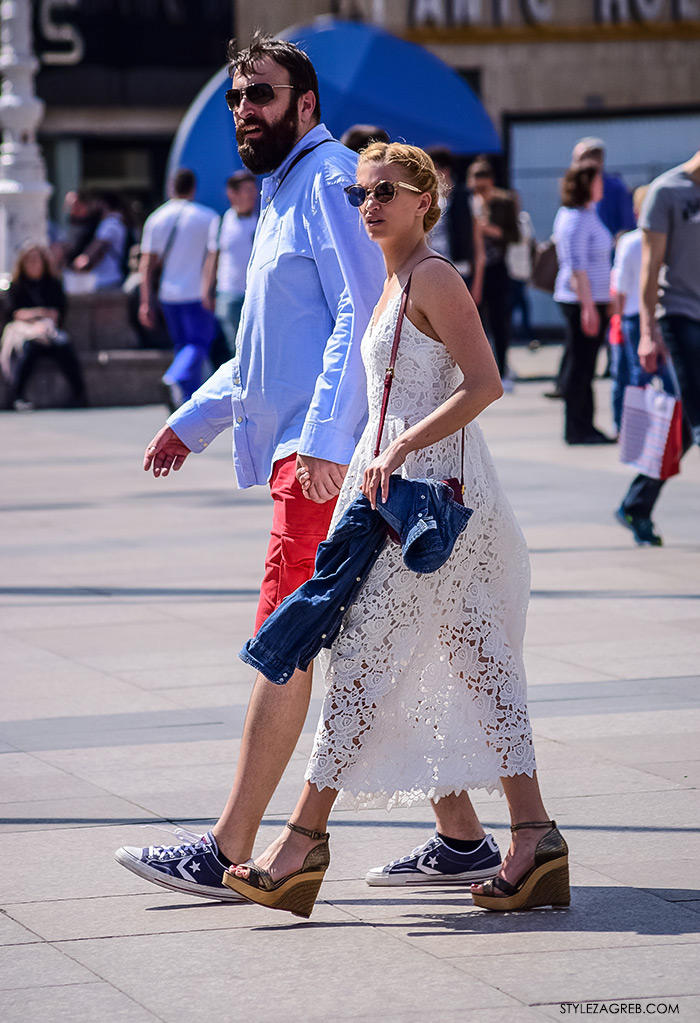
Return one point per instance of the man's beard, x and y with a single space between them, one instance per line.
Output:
266 152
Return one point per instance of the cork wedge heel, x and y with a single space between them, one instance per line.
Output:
296 893
545 884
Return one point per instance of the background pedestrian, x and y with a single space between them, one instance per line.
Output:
229 246
582 289
496 213
173 250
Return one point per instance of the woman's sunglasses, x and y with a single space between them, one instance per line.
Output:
259 94
383 192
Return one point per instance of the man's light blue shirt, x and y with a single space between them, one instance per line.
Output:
297 383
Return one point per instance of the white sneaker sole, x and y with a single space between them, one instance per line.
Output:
174 884
393 880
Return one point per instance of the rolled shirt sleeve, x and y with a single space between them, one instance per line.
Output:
208 412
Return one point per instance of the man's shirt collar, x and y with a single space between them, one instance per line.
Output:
312 138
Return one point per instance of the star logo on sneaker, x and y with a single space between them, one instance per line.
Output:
432 862
194 868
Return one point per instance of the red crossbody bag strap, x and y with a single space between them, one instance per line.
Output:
389 376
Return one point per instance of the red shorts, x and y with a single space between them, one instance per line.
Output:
298 527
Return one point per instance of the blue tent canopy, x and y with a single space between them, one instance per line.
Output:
365 76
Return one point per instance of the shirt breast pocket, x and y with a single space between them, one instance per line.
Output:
267 241
283 235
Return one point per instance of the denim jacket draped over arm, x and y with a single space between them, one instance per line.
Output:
426 518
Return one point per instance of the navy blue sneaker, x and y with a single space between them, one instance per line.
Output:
193 868
641 529
434 862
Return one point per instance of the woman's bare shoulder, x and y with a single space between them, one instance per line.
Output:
437 280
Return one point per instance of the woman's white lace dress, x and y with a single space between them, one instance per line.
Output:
426 689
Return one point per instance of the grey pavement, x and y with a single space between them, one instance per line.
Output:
123 603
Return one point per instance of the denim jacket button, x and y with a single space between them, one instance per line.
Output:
323 635
342 609
359 579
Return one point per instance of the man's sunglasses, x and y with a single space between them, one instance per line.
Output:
383 192
259 94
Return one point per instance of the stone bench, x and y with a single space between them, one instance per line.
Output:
116 371
99 321
112 378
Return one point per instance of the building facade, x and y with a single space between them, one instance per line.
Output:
118 75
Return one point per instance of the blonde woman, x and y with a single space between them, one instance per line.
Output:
36 304
425 684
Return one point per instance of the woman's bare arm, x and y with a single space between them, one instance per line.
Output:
440 305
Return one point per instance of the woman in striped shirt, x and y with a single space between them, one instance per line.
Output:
582 289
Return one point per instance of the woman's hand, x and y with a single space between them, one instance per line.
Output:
378 472
590 320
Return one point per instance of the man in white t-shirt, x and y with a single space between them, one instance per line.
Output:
230 246
173 247
104 257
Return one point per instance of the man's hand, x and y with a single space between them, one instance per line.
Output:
165 452
651 349
147 315
320 479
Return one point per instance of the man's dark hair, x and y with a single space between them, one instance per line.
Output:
577 183
184 182
442 157
112 200
359 136
481 167
301 71
237 179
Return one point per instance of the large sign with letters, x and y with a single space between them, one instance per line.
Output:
503 13
132 33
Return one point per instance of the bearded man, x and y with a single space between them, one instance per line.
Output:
296 399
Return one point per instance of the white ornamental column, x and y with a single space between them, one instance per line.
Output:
24 191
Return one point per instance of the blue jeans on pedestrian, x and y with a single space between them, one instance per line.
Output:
228 312
681 335
518 299
626 368
192 329
620 373
682 338
639 377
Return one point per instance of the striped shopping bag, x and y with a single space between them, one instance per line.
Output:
651 435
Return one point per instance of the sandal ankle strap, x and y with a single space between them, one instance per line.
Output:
534 824
317 836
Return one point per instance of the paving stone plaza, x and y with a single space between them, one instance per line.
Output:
123 603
